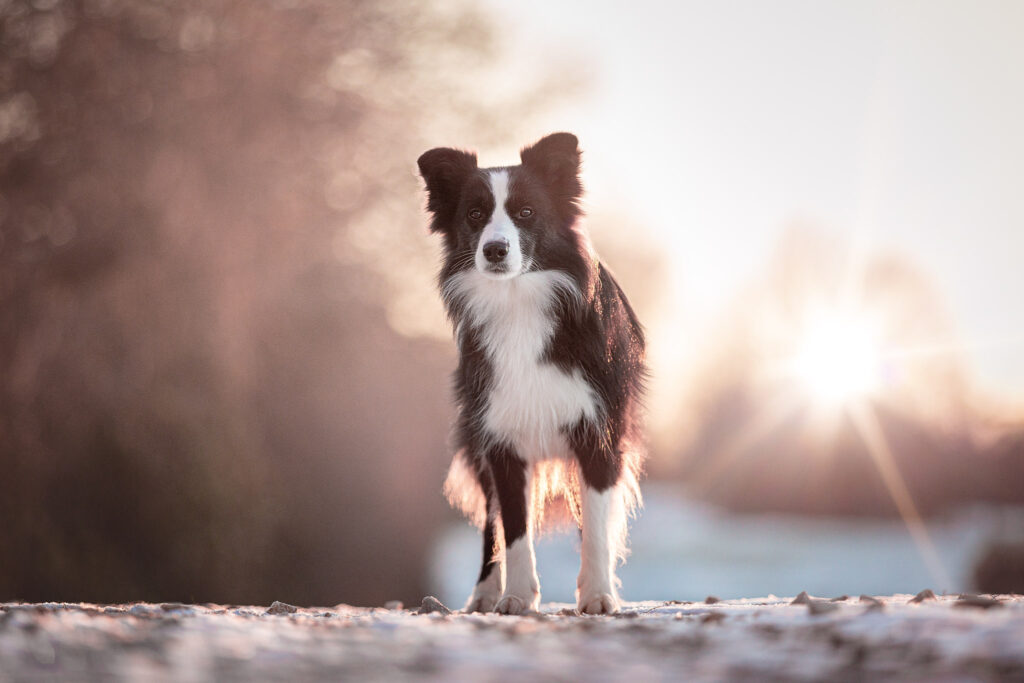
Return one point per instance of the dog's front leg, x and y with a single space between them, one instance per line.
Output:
603 521
514 491
489 586
602 515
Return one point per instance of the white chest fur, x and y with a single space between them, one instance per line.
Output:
530 400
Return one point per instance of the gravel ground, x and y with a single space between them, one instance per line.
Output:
848 638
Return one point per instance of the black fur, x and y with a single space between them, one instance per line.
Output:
601 338
489 531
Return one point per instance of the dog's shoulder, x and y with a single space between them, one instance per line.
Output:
614 299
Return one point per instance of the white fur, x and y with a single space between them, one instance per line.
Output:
500 227
522 587
531 401
603 524
487 593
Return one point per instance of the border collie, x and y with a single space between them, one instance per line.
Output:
551 368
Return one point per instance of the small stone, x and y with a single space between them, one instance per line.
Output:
142 611
872 602
840 598
175 607
281 608
712 599
979 601
817 607
431 604
926 594
801 599
394 605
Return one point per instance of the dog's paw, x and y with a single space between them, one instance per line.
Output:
486 593
517 604
597 603
481 603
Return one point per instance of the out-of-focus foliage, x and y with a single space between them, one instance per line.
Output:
204 210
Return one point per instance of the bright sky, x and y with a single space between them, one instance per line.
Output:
719 123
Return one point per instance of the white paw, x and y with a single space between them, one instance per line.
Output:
484 602
517 604
486 593
597 603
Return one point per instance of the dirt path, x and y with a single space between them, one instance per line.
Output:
759 639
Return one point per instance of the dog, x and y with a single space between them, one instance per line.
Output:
550 375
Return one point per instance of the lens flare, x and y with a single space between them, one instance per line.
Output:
838 359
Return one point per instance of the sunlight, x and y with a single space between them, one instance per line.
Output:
838 359
870 431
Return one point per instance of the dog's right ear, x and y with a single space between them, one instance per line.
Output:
445 171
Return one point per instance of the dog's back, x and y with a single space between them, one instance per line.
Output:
550 372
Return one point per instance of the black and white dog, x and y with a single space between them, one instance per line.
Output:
550 371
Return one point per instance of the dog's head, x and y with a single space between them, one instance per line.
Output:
510 220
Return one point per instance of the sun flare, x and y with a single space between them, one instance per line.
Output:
837 360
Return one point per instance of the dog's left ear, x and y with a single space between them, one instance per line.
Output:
556 159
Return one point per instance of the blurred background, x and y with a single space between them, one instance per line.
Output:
224 365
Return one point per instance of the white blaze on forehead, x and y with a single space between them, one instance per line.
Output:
499 188
500 227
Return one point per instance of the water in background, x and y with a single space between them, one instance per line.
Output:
684 550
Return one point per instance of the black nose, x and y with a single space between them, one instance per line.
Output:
496 251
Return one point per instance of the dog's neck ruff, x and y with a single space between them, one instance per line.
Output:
530 401
483 300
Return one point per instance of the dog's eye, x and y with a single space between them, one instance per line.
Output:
525 212
475 214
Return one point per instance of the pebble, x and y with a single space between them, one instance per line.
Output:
174 606
281 608
712 599
980 601
431 604
801 599
926 594
872 601
143 611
